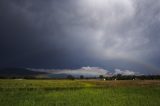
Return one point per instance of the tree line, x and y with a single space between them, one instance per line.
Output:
101 77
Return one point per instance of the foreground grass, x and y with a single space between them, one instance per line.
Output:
79 93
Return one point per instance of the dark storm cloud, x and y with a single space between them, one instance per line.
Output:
32 35
72 34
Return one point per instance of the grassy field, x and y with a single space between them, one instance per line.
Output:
79 93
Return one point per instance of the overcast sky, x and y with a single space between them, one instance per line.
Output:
70 34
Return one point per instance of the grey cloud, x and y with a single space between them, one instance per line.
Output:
117 31
125 72
79 33
86 71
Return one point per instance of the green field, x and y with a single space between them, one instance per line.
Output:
79 93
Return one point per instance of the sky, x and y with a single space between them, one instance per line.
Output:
113 35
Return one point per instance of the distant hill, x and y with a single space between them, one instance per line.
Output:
57 75
20 72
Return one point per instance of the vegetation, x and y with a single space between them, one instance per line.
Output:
20 92
133 77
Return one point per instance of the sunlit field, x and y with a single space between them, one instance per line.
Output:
79 93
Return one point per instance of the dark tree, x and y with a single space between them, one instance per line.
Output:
119 76
70 77
81 77
101 76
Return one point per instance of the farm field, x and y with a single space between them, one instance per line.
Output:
79 93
